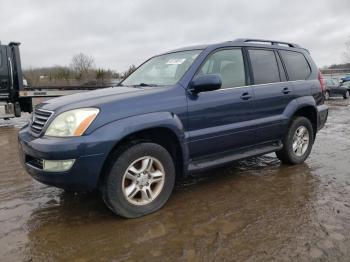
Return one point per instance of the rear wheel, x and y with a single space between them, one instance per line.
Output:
347 94
139 180
297 143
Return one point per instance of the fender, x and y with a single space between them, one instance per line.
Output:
298 103
115 131
126 126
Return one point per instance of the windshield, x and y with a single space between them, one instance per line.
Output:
162 70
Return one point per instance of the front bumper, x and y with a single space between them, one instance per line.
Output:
322 115
89 154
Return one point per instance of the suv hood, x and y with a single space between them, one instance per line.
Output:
93 98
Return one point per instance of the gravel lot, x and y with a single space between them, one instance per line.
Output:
253 210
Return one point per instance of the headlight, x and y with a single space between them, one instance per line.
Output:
72 123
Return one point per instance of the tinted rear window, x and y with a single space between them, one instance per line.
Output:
264 64
296 65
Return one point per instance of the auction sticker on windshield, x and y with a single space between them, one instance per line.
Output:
176 61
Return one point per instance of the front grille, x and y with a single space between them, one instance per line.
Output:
39 119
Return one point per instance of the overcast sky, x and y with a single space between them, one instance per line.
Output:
120 33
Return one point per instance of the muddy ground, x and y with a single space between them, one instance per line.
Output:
253 210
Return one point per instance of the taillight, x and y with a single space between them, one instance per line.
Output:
322 81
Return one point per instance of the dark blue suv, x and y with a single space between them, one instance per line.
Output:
180 112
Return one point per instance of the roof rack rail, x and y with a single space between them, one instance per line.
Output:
264 41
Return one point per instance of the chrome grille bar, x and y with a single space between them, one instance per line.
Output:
39 120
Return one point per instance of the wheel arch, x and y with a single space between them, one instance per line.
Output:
310 113
305 107
163 128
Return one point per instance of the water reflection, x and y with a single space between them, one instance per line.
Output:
206 214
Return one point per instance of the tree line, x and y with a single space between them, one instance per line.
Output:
81 71
346 58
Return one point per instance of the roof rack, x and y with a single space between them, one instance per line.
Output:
264 41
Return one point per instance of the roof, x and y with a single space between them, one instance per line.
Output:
241 41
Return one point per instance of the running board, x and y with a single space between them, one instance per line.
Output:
222 159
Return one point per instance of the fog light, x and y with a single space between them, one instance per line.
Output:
57 165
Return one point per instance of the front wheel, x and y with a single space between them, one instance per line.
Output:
347 94
297 143
139 180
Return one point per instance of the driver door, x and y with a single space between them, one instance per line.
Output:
219 120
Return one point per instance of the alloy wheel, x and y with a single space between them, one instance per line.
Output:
301 140
143 180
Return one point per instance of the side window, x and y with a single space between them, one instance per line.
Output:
296 65
281 69
264 65
207 67
228 64
0 59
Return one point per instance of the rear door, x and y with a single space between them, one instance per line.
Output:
272 93
4 74
298 73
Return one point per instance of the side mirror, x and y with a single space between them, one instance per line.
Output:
205 83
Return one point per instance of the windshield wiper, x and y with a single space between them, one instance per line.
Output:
119 84
144 84
138 85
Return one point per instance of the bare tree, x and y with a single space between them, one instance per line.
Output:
32 76
82 64
131 69
101 75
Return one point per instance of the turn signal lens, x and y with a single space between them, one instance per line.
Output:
84 125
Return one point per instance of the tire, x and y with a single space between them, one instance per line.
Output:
327 95
154 160
287 154
347 94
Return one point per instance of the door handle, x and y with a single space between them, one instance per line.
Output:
246 96
286 90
